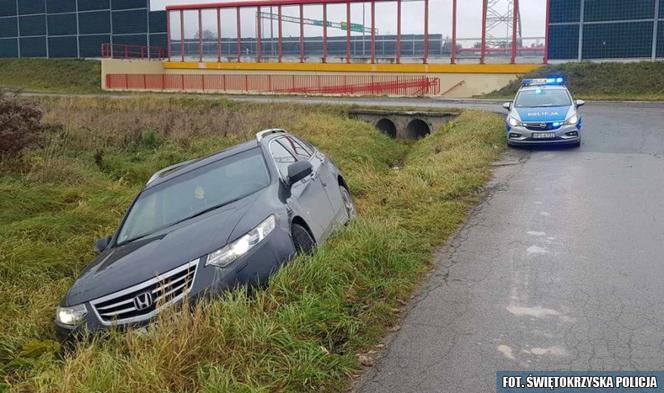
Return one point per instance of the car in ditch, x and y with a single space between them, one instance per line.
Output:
543 113
207 225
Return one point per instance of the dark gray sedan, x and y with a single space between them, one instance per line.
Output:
203 226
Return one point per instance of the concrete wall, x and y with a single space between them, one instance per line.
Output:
456 81
116 66
451 85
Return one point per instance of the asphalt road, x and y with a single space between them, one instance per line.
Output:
560 268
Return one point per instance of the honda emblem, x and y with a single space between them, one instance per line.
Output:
143 300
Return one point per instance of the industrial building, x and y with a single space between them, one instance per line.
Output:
606 29
77 28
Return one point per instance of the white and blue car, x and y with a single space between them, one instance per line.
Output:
543 113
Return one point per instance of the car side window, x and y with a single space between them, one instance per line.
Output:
282 157
301 150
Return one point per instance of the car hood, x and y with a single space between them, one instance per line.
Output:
130 264
544 114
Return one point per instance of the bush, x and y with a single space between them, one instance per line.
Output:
20 125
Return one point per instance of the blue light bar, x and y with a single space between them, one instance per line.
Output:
551 81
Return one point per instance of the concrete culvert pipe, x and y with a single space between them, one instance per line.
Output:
387 127
417 129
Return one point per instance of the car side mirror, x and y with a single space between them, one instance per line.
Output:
102 244
507 106
580 103
298 171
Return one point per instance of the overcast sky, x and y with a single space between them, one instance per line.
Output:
469 18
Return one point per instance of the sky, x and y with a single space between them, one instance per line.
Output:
469 16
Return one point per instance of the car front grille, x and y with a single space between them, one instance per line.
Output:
540 126
143 301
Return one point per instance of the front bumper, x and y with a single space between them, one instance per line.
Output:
522 136
254 267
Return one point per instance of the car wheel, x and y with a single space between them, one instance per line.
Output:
348 203
302 240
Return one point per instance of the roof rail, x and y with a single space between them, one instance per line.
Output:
261 134
167 169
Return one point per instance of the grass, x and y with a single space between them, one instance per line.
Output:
305 331
51 75
602 81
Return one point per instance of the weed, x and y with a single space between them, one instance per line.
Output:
20 125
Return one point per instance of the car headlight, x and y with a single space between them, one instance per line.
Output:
514 122
229 253
572 120
71 316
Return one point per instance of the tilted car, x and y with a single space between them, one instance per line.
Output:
203 226
543 113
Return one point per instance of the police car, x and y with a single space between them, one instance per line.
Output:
543 113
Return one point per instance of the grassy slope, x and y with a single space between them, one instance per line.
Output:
304 331
51 75
611 81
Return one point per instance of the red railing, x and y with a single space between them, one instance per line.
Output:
297 84
180 50
418 86
123 51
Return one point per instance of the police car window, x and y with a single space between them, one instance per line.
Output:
282 157
542 98
299 148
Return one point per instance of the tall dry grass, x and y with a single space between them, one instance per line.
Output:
304 331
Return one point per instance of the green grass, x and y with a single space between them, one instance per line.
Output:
304 332
51 75
602 81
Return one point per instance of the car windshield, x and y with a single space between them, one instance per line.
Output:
542 97
195 192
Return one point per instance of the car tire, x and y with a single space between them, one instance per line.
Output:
302 240
351 213
577 144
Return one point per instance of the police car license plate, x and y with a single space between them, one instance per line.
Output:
543 135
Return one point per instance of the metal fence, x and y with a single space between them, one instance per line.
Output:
236 31
313 30
606 29
123 51
307 84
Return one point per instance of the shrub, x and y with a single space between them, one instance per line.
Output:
20 124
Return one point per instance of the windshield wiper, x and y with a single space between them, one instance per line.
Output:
209 209
118 244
